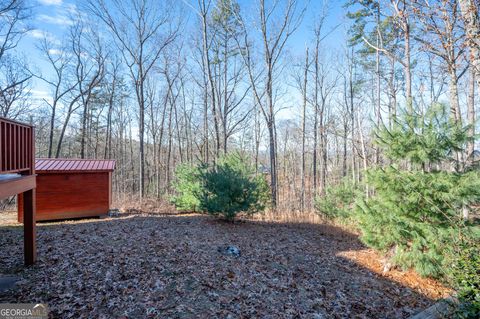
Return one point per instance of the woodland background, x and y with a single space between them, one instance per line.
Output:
154 84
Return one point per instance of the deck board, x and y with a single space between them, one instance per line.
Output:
13 184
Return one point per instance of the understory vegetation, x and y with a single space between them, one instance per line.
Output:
416 208
463 274
227 188
338 201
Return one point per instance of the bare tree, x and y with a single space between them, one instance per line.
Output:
114 82
400 15
13 15
348 97
304 118
204 8
90 70
325 84
142 30
229 70
128 85
470 13
88 74
441 37
14 79
275 30
471 115
301 78
60 84
14 86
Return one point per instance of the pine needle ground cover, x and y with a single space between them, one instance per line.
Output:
170 267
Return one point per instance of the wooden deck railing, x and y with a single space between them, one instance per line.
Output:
16 147
17 155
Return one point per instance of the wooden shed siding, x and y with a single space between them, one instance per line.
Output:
71 195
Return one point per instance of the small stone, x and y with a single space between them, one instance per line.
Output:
387 267
230 250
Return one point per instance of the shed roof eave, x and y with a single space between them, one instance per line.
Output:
61 165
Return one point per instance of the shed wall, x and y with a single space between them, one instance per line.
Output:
71 195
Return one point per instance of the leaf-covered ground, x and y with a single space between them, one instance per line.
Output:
154 266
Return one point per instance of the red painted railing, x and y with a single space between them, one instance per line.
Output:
17 149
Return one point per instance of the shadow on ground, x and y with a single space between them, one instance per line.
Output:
169 266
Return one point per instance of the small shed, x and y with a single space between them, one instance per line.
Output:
71 188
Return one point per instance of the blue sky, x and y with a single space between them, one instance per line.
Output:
51 18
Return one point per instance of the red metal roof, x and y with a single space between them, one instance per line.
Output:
73 165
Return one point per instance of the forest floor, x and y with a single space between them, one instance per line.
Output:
143 265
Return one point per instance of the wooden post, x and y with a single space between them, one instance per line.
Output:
29 227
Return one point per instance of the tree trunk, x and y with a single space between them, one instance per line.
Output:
352 115
141 128
225 96
323 170
345 135
378 88
108 141
472 29
453 88
393 103
257 139
271 129
84 129
205 125
65 125
315 124
273 164
302 196
52 127
364 153
211 83
471 115
169 149
407 69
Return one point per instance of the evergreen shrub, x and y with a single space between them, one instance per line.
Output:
416 207
226 189
188 187
338 201
463 273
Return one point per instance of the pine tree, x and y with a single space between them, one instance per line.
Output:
416 208
226 189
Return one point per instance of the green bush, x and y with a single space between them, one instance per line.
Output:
226 189
232 187
415 213
338 201
415 209
464 275
188 187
